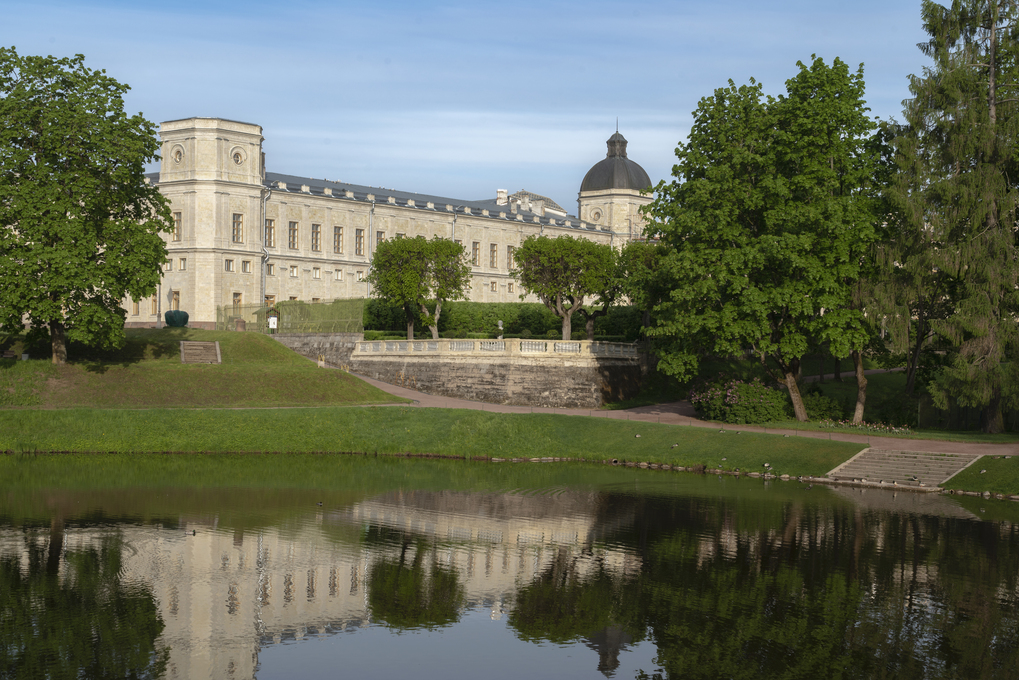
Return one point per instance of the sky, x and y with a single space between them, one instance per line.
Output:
461 98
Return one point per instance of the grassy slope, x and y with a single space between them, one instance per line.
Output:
397 430
256 371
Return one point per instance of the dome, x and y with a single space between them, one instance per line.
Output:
616 171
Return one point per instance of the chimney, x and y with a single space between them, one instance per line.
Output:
501 196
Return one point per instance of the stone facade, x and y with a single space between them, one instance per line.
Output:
244 236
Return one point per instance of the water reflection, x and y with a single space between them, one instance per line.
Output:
713 578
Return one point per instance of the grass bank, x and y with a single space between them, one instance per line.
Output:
399 430
256 371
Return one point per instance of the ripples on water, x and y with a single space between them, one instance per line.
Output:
627 574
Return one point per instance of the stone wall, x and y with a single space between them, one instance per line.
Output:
508 381
335 347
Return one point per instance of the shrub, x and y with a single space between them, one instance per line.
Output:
176 318
821 407
739 402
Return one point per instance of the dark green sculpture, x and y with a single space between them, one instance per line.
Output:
176 318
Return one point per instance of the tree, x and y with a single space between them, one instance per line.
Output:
410 272
768 224
563 272
79 226
962 129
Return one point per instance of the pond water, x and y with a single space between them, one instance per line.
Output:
322 566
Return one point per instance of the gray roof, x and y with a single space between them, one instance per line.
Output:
615 171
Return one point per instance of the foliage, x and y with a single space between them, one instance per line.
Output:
411 271
79 226
766 223
562 272
86 622
176 318
961 132
735 401
644 280
820 407
870 428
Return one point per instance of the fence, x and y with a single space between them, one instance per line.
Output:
294 316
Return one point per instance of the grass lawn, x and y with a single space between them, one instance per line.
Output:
147 373
1002 476
399 430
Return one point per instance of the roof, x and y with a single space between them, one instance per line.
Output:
615 171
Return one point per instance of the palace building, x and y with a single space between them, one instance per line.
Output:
246 236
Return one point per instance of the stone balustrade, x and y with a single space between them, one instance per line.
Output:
493 348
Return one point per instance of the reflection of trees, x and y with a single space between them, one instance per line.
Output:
827 592
84 622
566 603
412 592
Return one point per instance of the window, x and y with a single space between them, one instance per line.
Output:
135 311
495 287
178 220
175 300
168 266
246 266
458 242
337 239
360 276
359 241
509 256
270 270
155 305
399 235
380 236
476 254
293 271
182 264
338 275
228 265
237 302
292 236
316 299
270 300
493 255
293 297
316 237
316 273
238 231
509 287
270 233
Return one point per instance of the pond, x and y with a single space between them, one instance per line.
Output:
319 566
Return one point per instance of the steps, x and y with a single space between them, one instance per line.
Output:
901 468
199 352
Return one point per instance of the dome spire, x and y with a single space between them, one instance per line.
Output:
617 145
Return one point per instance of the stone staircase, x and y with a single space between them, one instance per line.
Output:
917 469
192 352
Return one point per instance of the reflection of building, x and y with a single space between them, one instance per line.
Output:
243 234
309 579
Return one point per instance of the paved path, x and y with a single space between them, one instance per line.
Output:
682 413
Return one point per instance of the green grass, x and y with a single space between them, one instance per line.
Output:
399 430
1002 476
256 371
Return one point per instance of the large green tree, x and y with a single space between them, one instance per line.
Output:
768 224
413 271
79 226
566 272
962 130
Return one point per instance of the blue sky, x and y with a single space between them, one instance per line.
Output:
462 98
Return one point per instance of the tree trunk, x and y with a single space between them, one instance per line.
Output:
991 419
434 326
410 321
838 369
913 360
58 341
589 327
567 327
789 373
861 387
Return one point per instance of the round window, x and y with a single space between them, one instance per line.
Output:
238 158
178 155
596 215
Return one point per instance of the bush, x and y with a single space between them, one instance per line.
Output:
739 402
821 407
